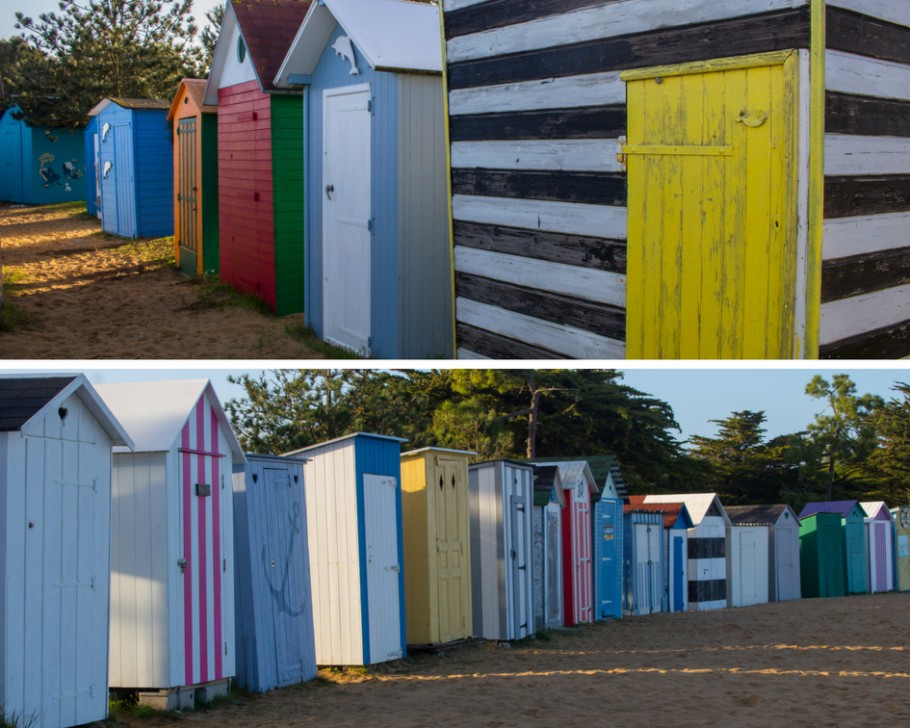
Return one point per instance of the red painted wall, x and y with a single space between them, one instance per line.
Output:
246 209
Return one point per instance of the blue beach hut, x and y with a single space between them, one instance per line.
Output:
275 642
607 534
136 167
354 531
39 165
377 256
92 167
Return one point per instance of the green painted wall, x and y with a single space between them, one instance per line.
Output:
210 193
287 171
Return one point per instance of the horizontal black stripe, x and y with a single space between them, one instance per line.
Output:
590 122
848 114
714 590
849 196
592 188
854 32
890 342
500 13
858 274
741 36
577 250
598 318
708 548
486 343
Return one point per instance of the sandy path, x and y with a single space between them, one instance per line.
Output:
820 662
91 295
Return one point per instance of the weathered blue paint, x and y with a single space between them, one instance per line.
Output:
137 170
92 194
274 610
40 165
607 533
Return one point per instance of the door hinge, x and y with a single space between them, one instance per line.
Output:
621 155
370 106
371 224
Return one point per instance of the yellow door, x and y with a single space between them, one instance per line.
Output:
452 534
712 166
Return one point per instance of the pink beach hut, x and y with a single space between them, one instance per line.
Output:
172 555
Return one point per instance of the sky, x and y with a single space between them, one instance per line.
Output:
697 395
34 8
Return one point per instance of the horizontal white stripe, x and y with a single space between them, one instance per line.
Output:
595 285
847 236
577 155
606 21
463 353
851 154
859 314
894 11
853 74
450 5
571 92
563 340
557 217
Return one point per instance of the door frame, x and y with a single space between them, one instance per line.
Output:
798 180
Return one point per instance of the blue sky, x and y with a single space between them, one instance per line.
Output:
34 8
697 394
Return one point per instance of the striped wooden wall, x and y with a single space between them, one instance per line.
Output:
866 249
536 107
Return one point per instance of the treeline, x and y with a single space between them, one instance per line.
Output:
858 447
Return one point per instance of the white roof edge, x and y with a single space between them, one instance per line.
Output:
433 448
349 436
228 22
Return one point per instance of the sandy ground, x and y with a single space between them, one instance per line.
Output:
819 662
89 295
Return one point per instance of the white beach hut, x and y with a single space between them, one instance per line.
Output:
56 437
172 565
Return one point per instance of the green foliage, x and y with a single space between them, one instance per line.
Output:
209 35
890 462
92 49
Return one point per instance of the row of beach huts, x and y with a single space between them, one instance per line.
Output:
141 549
517 180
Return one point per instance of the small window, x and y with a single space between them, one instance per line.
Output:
241 50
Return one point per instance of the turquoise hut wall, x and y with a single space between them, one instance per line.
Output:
40 165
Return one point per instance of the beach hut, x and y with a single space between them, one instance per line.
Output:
353 508
583 134
643 566
821 555
707 548
783 545
91 141
260 153
676 550
901 516
378 262
437 546
546 545
172 544
136 167
273 605
195 139
500 502
748 570
56 437
39 165
879 545
607 536
856 561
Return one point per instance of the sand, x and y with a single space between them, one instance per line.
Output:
92 296
820 662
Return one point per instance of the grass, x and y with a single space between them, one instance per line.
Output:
12 318
14 721
305 334
126 705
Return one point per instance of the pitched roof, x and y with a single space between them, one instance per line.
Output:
268 28
699 505
842 508
195 89
21 398
765 515
671 511
547 481
602 467
350 436
877 509
137 104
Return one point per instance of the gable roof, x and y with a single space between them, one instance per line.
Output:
350 436
841 508
135 104
391 35
154 412
604 468
195 89
699 505
22 398
572 472
672 511
764 515
547 481
877 509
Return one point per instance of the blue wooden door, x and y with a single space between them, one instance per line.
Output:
679 575
609 574
125 189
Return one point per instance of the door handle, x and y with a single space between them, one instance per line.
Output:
329 189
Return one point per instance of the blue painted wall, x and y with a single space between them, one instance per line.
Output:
607 534
39 165
141 208
88 136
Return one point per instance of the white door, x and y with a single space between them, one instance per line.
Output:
519 556
346 234
380 496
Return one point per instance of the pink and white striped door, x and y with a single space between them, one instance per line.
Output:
584 597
